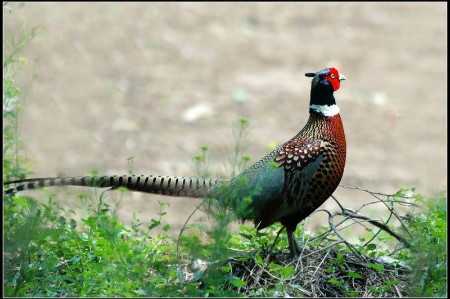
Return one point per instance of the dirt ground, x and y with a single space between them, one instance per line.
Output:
155 81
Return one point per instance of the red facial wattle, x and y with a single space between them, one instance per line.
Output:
333 78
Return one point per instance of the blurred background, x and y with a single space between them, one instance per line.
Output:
155 81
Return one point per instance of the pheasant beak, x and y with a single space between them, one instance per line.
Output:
342 77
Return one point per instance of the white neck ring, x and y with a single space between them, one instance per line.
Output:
325 109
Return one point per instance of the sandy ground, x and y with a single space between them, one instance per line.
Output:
155 81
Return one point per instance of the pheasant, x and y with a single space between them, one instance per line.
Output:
285 186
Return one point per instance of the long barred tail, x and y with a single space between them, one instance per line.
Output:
166 185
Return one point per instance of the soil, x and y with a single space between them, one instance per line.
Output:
155 81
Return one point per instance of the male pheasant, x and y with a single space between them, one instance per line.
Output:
286 186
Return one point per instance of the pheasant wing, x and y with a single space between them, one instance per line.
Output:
298 161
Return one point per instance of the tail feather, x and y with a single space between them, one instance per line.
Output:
166 185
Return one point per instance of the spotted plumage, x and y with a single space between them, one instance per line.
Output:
287 185
296 154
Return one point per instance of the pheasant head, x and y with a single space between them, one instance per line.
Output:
324 84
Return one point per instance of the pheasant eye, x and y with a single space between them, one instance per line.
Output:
332 76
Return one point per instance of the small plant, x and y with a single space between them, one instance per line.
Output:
428 258
14 167
236 160
201 163
220 214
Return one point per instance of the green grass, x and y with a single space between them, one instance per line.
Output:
49 255
428 257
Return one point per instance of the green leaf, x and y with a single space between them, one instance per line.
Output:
392 282
243 259
247 236
354 274
334 281
259 260
287 272
275 267
418 197
75 260
378 268
154 224
371 246
238 282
